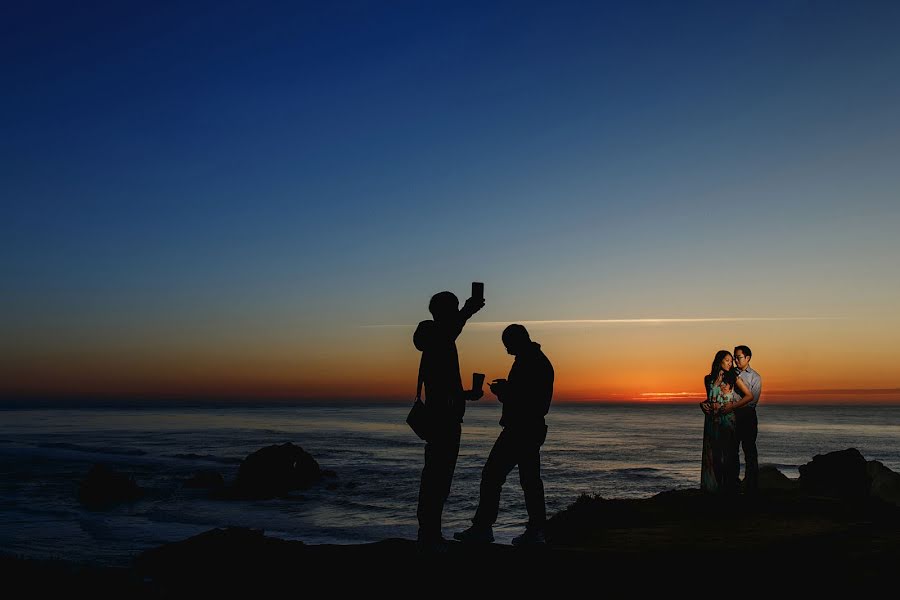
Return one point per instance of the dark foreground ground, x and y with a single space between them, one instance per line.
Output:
680 541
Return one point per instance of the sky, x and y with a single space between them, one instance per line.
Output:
257 200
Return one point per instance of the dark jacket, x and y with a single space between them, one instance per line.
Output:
440 365
529 389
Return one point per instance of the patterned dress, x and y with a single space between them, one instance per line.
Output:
718 436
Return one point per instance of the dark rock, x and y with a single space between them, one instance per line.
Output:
274 471
206 480
575 524
770 478
218 557
789 523
103 488
885 483
56 578
839 474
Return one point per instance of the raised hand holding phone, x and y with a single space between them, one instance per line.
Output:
476 300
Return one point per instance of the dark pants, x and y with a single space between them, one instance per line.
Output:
728 463
437 475
746 432
517 445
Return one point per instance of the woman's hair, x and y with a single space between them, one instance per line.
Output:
730 378
716 366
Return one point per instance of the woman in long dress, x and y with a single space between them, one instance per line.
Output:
719 467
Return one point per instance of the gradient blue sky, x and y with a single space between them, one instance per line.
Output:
219 196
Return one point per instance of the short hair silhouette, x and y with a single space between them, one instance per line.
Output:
443 304
515 335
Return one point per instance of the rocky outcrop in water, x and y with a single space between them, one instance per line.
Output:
275 471
104 488
841 474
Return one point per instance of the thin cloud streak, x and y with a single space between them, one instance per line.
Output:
649 321
663 396
670 394
857 391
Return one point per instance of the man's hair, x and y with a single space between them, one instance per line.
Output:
442 302
516 332
745 350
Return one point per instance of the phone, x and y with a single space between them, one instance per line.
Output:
477 381
478 290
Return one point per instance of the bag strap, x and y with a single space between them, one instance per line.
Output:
419 385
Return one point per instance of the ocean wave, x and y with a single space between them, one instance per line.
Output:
633 473
94 449
208 457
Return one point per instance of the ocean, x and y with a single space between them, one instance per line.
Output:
613 451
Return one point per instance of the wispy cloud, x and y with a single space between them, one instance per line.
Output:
840 391
664 396
671 394
644 321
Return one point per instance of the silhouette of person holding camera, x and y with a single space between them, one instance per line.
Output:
526 397
445 399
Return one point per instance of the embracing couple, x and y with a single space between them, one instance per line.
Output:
732 393
525 395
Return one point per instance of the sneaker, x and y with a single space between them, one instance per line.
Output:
475 535
532 536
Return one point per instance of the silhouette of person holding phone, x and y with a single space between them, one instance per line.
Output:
445 400
526 397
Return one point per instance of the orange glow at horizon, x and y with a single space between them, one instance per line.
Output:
803 362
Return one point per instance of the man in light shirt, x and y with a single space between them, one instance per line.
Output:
746 421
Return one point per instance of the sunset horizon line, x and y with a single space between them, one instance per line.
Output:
822 397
